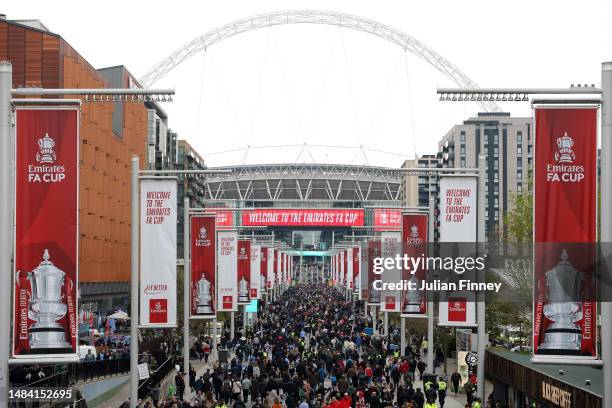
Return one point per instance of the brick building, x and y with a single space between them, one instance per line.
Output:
109 135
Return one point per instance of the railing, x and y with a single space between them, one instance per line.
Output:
144 388
58 376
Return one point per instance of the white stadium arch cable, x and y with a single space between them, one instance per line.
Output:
391 34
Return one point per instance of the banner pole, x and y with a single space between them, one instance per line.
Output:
430 301
402 336
135 224
386 323
606 226
373 314
6 219
186 287
480 301
232 327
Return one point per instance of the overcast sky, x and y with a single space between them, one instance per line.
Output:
322 85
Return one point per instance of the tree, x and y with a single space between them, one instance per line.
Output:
517 271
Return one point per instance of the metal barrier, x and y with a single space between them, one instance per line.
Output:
155 379
69 374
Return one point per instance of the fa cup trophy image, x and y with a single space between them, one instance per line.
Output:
412 299
47 307
243 290
563 309
46 154
203 296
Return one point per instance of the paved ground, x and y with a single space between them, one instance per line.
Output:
452 400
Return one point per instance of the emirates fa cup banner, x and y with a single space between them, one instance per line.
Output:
373 294
203 266
263 268
45 311
363 272
391 243
227 271
256 276
158 206
343 267
356 282
565 232
244 271
333 269
276 266
458 223
414 243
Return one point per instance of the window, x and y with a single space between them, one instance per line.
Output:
519 162
496 164
496 139
519 149
496 151
462 162
519 138
496 214
495 176
496 202
519 188
462 137
519 175
463 149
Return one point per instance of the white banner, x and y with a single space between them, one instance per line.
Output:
158 206
255 272
270 262
458 223
458 211
391 246
227 267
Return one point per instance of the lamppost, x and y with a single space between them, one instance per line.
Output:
601 95
7 177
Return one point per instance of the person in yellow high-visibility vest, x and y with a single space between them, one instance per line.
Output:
442 385
476 403
430 405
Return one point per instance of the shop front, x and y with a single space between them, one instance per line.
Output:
519 383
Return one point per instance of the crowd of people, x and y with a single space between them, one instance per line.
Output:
309 348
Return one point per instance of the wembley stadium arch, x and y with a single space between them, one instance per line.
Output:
375 190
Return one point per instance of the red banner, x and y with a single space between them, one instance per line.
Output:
356 269
203 265
565 211
387 219
225 219
373 296
345 267
244 271
263 262
46 232
457 309
414 242
273 217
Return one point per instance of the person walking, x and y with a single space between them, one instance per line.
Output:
456 381
246 389
442 385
